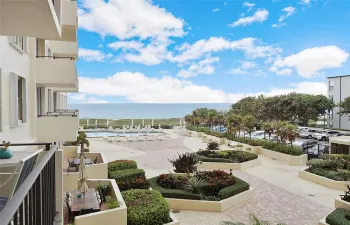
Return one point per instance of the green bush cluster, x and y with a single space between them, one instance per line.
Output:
146 207
122 165
127 176
270 145
338 217
331 168
223 188
225 156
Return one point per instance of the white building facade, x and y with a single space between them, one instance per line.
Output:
338 90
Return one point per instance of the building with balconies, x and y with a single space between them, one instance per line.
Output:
39 49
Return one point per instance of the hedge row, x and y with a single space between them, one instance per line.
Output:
146 207
224 193
122 165
338 217
229 156
122 175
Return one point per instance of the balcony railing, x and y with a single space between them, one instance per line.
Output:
57 113
34 201
55 57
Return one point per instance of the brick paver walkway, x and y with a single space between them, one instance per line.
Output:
272 203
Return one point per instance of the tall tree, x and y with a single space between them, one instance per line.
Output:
344 106
249 123
290 133
268 129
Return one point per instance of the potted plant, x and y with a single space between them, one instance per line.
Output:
4 151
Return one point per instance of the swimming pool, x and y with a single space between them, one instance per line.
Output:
94 134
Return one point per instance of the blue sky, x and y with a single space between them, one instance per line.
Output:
210 50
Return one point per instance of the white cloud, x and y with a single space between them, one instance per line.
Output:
126 45
137 87
93 55
238 71
248 65
202 67
288 11
251 47
83 98
127 19
285 71
278 25
305 2
248 5
310 62
259 16
216 10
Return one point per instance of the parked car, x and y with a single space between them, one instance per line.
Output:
325 134
305 144
307 134
319 149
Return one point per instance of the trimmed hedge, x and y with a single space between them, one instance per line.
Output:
146 207
338 217
226 156
235 189
122 175
122 165
238 187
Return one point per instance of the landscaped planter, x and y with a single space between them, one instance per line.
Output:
109 216
234 166
339 203
212 206
95 171
172 171
290 159
337 185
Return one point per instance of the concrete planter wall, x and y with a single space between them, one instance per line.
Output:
290 159
106 217
341 204
337 185
234 166
95 171
180 174
211 206
174 220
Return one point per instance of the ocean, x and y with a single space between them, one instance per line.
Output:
141 110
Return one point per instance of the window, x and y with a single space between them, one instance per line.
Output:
330 97
38 100
20 43
55 96
18 100
49 109
331 85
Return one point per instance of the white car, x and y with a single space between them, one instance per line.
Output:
324 135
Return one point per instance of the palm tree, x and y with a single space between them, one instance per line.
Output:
268 128
249 123
278 129
82 141
210 118
189 119
290 133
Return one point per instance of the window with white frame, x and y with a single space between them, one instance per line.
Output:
18 100
19 42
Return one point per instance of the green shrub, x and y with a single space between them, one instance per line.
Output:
185 163
111 203
213 145
122 175
103 189
216 180
338 217
122 165
343 161
171 181
225 156
235 189
172 193
136 183
146 207
239 146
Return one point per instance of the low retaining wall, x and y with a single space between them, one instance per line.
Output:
341 204
106 217
290 159
95 171
337 185
211 206
234 166
174 220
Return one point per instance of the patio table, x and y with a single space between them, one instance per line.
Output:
88 202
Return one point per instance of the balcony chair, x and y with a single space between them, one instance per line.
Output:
72 165
19 174
95 161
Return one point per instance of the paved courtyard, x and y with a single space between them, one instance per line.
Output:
281 196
